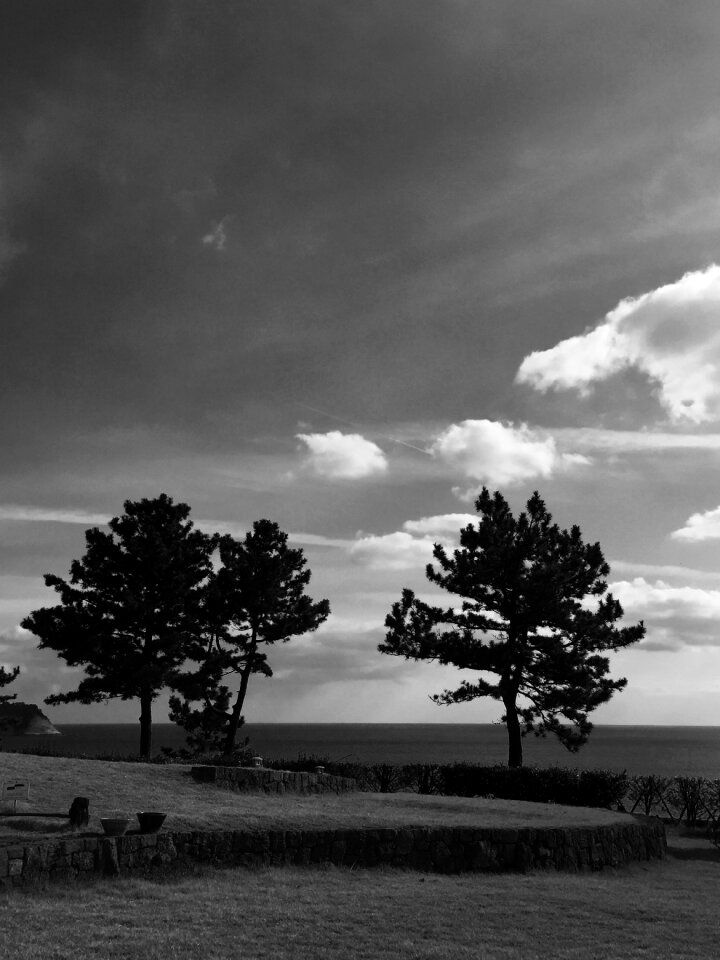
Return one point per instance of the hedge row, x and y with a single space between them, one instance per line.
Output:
693 799
580 788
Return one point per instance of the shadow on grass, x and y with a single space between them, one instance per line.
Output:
31 825
708 853
684 843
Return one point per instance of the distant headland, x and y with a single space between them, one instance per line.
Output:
22 719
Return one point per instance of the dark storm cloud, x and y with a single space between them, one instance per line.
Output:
219 218
370 169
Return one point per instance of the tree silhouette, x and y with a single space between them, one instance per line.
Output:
255 599
524 623
131 607
6 677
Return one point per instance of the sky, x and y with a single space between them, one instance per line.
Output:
341 264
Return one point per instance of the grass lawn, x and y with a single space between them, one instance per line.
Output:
662 909
126 788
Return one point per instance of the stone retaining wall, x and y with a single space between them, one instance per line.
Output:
264 780
450 850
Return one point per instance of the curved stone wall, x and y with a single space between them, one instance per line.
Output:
420 848
265 780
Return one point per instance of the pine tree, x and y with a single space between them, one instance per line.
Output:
257 598
7 677
524 624
131 607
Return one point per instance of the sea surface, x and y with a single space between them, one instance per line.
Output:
665 751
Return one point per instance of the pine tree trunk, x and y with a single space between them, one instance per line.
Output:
234 724
515 750
145 725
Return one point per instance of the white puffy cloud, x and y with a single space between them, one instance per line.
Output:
671 334
442 527
411 547
700 526
500 453
392 551
343 455
675 616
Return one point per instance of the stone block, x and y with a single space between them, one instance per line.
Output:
84 861
276 840
68 847
303 856
205 774
338 849
59 860
404 842
481 855
166 847
440 853
523 859
108 858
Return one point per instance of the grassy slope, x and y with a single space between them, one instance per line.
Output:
128 787
658 910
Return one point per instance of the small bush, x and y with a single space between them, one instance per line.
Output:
586 788
240 757
602 788
424 778
649 793
690 796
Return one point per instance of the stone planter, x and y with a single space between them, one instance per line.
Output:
150 821
115 826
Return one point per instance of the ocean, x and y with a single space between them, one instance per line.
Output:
665 751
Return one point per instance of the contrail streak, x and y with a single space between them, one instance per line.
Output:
385 436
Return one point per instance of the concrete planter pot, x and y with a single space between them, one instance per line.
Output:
150 821
115 826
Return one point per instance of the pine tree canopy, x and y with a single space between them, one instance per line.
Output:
131 606
255 599
7 677
534 622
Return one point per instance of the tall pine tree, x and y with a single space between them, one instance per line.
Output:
524 623
256 599
131 608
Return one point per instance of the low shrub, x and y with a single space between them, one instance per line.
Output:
602 788
692 796
649 793
584 788
425 778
